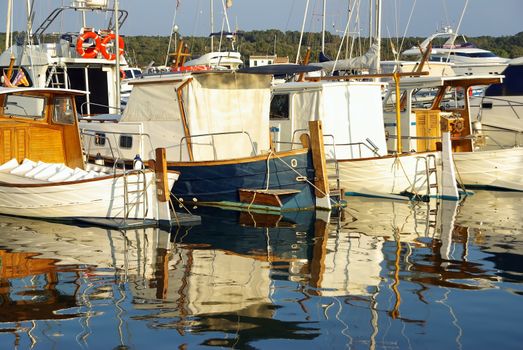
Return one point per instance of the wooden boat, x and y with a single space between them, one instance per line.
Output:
475 166
43 173
215 128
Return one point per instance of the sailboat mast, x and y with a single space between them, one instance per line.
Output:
378 34
323 26
8 23
302 30
117 45
29 20
212 25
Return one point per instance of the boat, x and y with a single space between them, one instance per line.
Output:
215 128
498 111
356 142
475 166
466 58
43 173
73 59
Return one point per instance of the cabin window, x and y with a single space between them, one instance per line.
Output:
25 106
454 99
99 139
126 141
63 110
279 107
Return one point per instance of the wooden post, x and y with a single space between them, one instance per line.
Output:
321 180
398 113
162 184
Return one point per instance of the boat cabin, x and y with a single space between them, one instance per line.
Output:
421 124
350 111
195 116
40 125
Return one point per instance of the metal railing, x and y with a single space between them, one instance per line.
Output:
183 140
86 103
101 134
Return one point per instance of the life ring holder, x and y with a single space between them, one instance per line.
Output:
89 52
106 40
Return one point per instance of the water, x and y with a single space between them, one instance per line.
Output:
386 275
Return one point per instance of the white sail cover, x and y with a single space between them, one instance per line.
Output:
367 61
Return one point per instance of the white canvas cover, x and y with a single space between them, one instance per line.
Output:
231 103
351 113
236 105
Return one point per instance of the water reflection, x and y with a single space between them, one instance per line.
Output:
383 274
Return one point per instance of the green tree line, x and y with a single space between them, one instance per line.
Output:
143 50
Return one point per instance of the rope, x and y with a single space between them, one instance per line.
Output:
306 179
398 160
267 179
460 180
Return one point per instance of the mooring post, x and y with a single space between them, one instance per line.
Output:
321 180
163 191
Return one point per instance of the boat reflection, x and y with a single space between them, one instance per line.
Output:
241 278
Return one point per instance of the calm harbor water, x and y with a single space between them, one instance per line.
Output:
383 275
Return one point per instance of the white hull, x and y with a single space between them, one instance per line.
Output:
486 68
388 176
95 198
498 168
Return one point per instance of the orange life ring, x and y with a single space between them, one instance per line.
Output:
89 52
106 40
122 74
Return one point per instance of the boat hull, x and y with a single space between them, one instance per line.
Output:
497 168
95 198
219 182
389 176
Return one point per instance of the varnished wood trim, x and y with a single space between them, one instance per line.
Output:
67 183
160 169
241 160
384 157
186 130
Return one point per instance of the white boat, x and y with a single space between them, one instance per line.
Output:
467 59
217 60
43 173
58 56
498 112
355 140
475 166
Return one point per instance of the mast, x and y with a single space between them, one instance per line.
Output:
117 44
212 25
323 26
378 34
8 23
302 30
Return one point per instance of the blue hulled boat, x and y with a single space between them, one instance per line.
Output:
215 128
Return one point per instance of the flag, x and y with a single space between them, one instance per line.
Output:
229 3
20 79
7 81
178 3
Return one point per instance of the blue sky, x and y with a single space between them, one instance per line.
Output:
155 17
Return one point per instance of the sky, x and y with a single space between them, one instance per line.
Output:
155 17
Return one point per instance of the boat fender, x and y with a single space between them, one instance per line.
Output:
105 42
122 74
91 51
137 163
98 159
